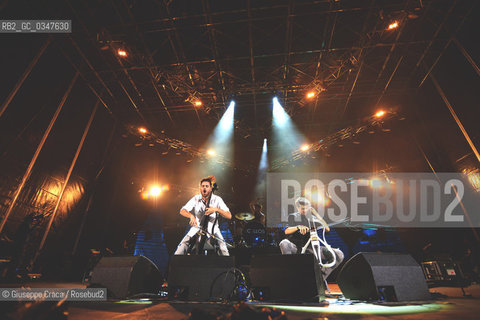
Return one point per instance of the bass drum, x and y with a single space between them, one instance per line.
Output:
254 234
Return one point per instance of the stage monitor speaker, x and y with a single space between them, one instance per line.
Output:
383 277
126 276
294 277
201 277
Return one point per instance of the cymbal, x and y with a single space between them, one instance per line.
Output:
245 216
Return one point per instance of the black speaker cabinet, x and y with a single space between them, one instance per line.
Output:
286 278
383 277
201 277
127 276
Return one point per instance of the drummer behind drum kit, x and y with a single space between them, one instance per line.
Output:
248 233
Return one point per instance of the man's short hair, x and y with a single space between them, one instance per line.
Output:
209 180
301 201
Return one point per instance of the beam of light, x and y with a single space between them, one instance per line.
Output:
226 122
262 171
219 145
305 148
263 160
280 117
287 138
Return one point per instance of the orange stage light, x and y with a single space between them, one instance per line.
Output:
142 130
380 113
311 95
305 147
122 53
393 25
155 191
197 103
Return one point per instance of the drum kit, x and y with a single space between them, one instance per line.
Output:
250 233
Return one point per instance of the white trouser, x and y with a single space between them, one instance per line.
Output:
183 245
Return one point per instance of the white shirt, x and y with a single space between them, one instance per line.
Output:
197 206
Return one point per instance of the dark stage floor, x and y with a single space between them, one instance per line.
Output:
450 303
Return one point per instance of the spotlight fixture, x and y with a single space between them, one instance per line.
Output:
310 94
380 114
393 25
122 53
194 99
155 191
142 130
305 148
211 152
375 183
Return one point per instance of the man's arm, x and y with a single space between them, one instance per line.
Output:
302 229
322 221
222 209
186 214
224 213
293 229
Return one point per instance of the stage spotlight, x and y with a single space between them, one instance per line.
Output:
310 95
380 114
473 177
211 152
375 183
317 197
122 53
221 139
286 136
142 130
263 159
155 191
305 148
280 117
393 25
262 171
197 103
226 123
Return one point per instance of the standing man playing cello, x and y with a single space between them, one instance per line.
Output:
202 206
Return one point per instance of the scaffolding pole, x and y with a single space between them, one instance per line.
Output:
67 179
454 115
24 76
37 152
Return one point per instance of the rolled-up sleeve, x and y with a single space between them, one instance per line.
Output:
190 205
222 205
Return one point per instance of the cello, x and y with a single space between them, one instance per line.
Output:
197 242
